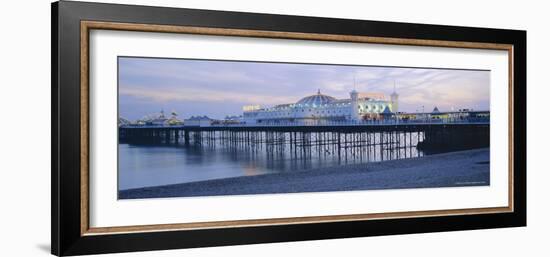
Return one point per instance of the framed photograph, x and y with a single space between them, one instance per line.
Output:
178 128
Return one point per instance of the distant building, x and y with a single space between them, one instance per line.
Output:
319 108
198 121
159 120
123 122
436 114
174 121
232 120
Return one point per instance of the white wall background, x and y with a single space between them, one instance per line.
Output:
25 127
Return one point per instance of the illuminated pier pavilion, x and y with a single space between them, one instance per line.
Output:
320 108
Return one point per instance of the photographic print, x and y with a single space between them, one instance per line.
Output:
163 122
192 127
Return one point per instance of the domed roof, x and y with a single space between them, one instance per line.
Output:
317 99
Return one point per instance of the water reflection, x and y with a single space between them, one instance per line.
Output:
152 165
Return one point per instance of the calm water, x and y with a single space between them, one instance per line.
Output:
154 165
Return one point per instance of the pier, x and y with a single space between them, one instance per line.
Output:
332 138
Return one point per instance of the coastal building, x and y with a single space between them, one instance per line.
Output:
159 119
319 108
123 122
198 121
231 120
437 115
174 121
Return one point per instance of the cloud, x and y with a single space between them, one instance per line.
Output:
202 95
214 84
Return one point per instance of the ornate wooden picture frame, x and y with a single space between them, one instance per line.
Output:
72 233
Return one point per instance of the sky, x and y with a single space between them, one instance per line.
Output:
221 88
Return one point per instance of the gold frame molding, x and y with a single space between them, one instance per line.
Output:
86 26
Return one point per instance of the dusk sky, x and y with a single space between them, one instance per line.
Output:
221 88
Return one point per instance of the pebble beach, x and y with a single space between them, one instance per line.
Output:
463 168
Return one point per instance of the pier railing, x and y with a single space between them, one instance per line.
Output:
360 123
327 123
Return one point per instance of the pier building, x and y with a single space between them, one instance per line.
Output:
319 107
